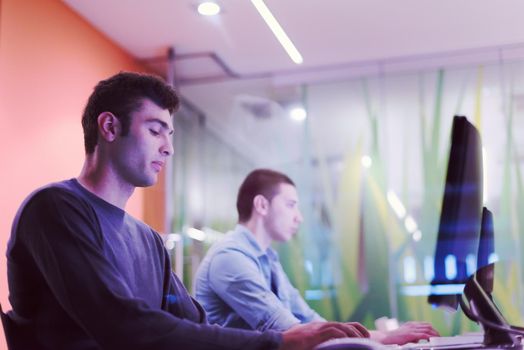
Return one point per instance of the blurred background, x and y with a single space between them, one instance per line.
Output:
357 112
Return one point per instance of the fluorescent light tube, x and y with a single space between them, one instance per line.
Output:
277 30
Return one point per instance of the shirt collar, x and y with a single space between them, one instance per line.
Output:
250 238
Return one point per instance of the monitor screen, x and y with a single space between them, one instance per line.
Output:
460 219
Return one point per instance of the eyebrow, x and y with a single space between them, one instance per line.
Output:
162 123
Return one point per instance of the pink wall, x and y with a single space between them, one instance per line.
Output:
50 59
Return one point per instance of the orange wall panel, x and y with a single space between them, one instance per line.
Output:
50 59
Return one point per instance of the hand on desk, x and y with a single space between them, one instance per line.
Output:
409 332
306 336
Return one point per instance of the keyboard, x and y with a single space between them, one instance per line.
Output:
455 342
469 341
350 344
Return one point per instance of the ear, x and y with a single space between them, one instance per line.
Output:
109 126
260 204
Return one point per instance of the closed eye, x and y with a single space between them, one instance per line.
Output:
291 204
154 132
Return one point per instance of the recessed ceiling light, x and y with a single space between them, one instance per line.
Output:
298 114
417 235
208 8
366 161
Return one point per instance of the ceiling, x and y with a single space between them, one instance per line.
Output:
335 37
327 32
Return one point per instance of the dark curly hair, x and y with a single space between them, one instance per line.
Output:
121 95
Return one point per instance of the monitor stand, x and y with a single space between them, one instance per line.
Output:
482 309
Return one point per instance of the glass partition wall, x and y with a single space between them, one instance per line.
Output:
368 156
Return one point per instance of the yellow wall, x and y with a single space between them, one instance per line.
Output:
50 59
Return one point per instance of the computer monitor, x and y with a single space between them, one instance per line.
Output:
460 219
465 243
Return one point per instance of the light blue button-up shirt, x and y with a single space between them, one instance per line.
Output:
233 284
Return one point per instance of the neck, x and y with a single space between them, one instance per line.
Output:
256 226
101 180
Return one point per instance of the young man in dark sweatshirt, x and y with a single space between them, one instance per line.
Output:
84 274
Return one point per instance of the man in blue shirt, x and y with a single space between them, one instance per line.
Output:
241 283
86 275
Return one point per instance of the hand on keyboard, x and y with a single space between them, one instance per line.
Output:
306 336
409 332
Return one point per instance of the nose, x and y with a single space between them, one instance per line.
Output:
299 217
167 147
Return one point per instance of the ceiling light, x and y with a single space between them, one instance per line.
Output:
298 114
172 240
277 30
410 224
396 204
196 234
208 8
366 161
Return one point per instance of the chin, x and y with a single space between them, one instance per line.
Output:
150 183
285 239
146 182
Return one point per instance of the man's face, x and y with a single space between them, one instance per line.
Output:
283 218
140 155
